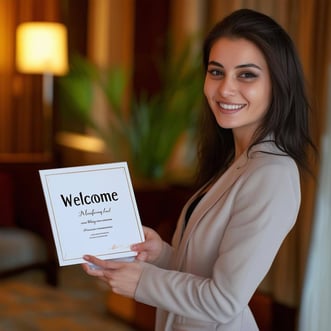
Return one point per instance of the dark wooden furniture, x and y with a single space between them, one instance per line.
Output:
24 225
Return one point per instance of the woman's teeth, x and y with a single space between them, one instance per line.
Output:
230 106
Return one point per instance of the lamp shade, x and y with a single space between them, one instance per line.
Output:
41 47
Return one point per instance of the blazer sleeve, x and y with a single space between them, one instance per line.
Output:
164 260
265 205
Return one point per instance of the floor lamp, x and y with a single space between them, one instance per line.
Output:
41 48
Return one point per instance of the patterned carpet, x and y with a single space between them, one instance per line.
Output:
78 304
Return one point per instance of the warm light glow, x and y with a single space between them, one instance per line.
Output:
41 47
81 142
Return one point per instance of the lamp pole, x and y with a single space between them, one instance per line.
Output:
48 96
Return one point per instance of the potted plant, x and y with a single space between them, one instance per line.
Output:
146 135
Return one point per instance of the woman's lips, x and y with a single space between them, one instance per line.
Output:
230 107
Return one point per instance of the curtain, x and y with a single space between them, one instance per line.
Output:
316 298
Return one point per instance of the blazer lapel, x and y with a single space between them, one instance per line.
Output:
207 202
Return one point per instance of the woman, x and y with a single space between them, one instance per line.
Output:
253 140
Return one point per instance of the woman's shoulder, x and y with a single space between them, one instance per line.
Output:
268 155
268 169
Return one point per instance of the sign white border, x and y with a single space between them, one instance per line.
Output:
92 210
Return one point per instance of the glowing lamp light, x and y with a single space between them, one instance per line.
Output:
41 47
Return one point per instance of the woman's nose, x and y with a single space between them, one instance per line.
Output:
227 87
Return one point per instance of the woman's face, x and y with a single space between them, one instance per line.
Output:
237 85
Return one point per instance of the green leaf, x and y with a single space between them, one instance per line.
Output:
77 94
115 82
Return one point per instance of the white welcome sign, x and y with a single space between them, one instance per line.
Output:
92 210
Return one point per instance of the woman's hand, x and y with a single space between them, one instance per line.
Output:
122 277
151 248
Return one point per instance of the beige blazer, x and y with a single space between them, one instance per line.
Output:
216 262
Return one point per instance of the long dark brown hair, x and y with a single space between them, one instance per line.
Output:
287 116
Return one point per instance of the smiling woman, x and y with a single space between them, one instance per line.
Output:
249 194
238 88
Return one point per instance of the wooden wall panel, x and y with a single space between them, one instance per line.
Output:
21 116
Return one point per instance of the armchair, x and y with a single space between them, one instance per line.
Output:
20 249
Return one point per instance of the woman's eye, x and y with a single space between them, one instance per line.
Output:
215 72
247 75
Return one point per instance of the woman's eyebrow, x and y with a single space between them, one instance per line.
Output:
214 63
246 65
249 65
